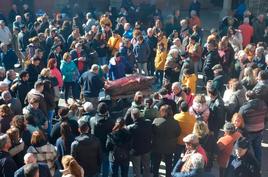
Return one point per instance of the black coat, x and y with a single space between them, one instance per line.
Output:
33 73
166 101
7 165
101 125
43 171
246 166
142 133
20 89
211 60
165 135
86 149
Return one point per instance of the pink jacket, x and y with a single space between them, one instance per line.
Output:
56 73
199 108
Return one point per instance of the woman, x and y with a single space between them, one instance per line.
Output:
166 131
24 133
237 97
248 81
70 75
17 150
200 108
43 151
159 62
172 66
118 145
63 143
99 44
235 38
55 72
207 141
71 168
239 124
30 123
5 118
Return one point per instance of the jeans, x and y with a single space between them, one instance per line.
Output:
102 61
156 158
159 75
50 117
105 166
67 86
255 140
142 67
143 160
123 168
177 154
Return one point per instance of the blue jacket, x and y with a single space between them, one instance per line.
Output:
43 171
117 70
142 52
9 59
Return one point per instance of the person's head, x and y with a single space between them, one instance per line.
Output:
248 72
177 42
229 128
150 32
238 120
262 76
18 18
5 111
67 57
212 91
88 107
193 39
200 129
31 170
176 88
3 47
148 102
211 45
119 124
63 113
261 18
259 51
140 39
14 135
78 47
35 60
24 75
127 26
83 126
29 119
191 141
38 138
52 63
18 122
197 161
6 96
174 53
135 114
102 108
241 147
246 20
39 86
29 158
5 142
65 131
200 98
166 112
45 72
2 72
34 103
94 68
193 13
138 98
3 86
11 74
184 107
39 53
69 163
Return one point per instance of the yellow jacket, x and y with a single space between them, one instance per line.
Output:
114 43
190 81
186 123
160 60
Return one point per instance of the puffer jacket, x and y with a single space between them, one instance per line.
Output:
160 59
69 71
200 108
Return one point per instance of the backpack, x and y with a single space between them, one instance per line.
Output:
120 154
199 115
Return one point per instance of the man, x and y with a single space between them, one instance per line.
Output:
217 112
31 170
194 20
152 42
21 87
34 68
8 58
56 53
101 125
212 58
259 58
186 122
141 132
259 27
254 112
18 22
86 149
178 94
37 92
192 146
13 13
79 56
89 110
142 52
13 103
164 100
7 164
261 88
90 22
91 85
5 34
114 42
243 164
29 158
23 38
197 168
247 32
10 77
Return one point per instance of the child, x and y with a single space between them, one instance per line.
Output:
160 60
189 80
150 112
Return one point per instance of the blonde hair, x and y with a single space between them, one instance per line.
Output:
200 129
66 56
200 98
238 116
45 72
69 163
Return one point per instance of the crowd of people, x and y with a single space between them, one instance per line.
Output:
72 55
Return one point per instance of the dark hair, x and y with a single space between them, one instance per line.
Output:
263 75
119 124
23 73
166 111
140 38
63 112
184 106
18 122
30 119
212 90
194 37
30 170
66 133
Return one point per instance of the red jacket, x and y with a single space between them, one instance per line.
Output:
247 33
